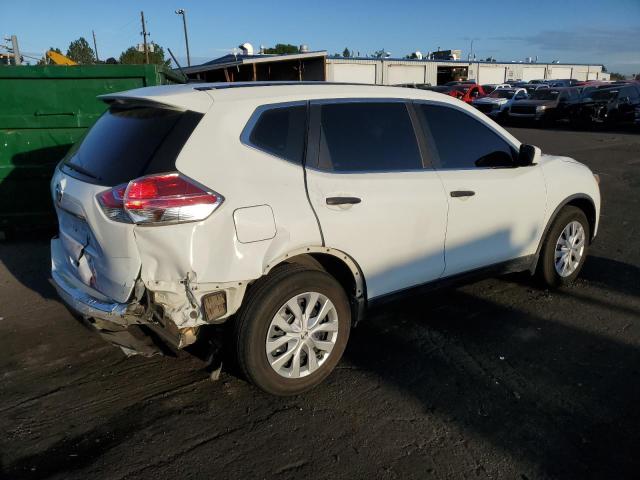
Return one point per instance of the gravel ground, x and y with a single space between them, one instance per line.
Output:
498 379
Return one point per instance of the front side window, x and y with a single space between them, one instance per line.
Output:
367 137
281 131
462 142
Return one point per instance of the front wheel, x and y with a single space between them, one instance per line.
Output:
565 248
292 329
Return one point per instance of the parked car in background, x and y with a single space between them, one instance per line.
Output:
198 205
490 87
467 92
608 106
496 104
458 82
421 86
532 87
546 105
564 82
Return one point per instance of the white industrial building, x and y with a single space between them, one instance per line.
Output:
317 66
438 72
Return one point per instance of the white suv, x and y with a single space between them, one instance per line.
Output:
285 210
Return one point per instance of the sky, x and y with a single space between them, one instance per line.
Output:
581 31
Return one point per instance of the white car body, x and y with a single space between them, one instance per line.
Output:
407 231
496 107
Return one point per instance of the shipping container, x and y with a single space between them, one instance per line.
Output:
43 111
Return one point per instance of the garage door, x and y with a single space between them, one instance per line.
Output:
405 74
351 72
532 73
560 72
491 74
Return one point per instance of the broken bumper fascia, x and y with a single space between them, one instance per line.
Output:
176 303
88 306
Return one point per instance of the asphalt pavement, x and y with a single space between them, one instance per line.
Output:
499 379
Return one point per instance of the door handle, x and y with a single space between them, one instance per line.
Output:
343 200
462 193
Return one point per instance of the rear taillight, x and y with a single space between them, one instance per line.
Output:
112 203
168 198
158 199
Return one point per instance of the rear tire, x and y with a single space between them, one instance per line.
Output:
565 248
288 350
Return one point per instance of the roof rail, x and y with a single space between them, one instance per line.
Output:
225 85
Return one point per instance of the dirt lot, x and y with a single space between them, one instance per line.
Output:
498 379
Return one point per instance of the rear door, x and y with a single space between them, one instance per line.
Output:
128 141
496 210
374 197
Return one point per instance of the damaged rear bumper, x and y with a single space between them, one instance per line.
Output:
172 314
77 297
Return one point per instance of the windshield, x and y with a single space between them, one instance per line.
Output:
461 88
502 93
544 94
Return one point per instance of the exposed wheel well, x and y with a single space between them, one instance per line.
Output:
589 210
344 270
333 265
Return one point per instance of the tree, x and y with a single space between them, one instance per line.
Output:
133 56
617 76
346 53
380 53
282 49
44 60
80 51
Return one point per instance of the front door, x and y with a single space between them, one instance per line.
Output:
496 210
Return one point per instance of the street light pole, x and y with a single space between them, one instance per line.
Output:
182 12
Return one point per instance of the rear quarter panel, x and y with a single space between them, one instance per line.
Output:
246 177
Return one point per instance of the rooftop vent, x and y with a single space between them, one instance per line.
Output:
246 48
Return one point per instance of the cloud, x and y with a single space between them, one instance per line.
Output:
618 49
586 40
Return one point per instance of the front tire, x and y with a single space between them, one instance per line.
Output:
292 329
565 248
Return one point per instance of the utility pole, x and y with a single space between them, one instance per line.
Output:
95 45
181 11
144 39
16 50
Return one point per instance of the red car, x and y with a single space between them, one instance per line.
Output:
467 92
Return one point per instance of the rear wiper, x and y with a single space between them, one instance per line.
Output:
80 170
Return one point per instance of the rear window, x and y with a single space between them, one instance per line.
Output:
281 131
128 142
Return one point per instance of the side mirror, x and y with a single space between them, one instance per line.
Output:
526 155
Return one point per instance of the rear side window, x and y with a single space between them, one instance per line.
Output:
367 137
281 131
128 142
463 142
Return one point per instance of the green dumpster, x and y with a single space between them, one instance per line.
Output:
43 111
